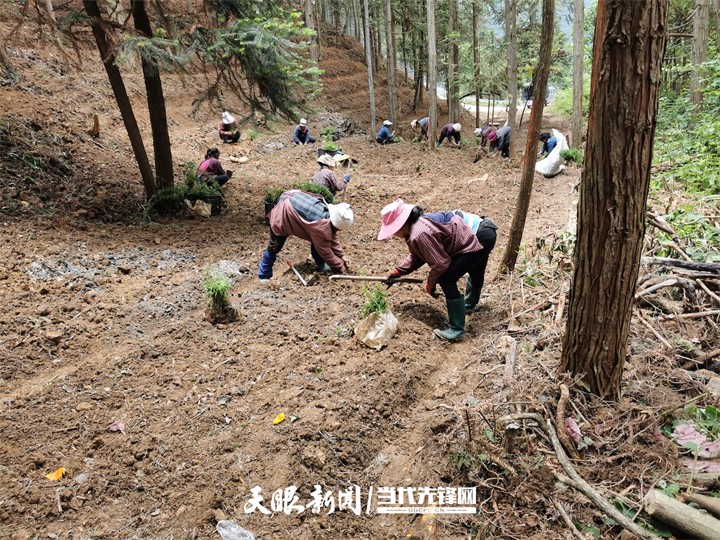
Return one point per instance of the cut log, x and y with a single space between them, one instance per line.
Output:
681 516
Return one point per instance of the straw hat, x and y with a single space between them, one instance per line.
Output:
227 118
326 160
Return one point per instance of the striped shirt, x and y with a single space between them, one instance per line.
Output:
435 239
306 216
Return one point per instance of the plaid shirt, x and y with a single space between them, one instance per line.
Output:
306 216
434 239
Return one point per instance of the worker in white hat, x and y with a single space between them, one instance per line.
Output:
310 217
450 132
228 128
301 135
384 136
421 125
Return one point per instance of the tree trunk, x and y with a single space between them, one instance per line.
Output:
541 78
368 61
476 58
310 23
511 37
156 104
121 97
432 74
716 5
629 45
699 51
578 55
390 61
453 65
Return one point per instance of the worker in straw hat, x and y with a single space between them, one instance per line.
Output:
384 136
446 243
228 128
325 175
307 216
450 131
301 135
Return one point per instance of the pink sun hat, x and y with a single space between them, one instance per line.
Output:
394 216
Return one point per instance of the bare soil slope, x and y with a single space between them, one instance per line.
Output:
103 322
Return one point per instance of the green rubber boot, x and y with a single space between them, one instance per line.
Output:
472 297
456 315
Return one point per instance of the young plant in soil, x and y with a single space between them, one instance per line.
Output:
216 286
376 301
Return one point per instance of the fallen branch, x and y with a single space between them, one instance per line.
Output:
662 340
711 504
681 516
657 222
701 267
678 249
575 480
694 315
568 522
708 291
560 422
701 360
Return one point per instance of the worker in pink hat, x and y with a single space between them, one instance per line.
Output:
447 244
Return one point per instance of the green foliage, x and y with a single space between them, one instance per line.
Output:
699 234
266 44
171 201
312 187
651 525
563 102
376 300
166 54
573 155
327 133
330 146
252 134
216 285
272 194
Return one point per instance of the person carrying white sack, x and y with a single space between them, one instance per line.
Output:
553 164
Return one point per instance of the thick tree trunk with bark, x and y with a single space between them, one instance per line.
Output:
432 74
156 104
390 40
701 17
629 45
511 38
578 50
107 54
531 146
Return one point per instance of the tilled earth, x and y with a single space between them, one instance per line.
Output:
104 322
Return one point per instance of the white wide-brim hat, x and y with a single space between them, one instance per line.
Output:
457 127
228 118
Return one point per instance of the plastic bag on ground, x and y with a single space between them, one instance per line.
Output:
377 329
199 208
229 530
553 163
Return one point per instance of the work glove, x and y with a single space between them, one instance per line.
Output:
390 281
430 289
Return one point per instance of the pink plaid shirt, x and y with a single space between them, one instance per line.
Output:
436 244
